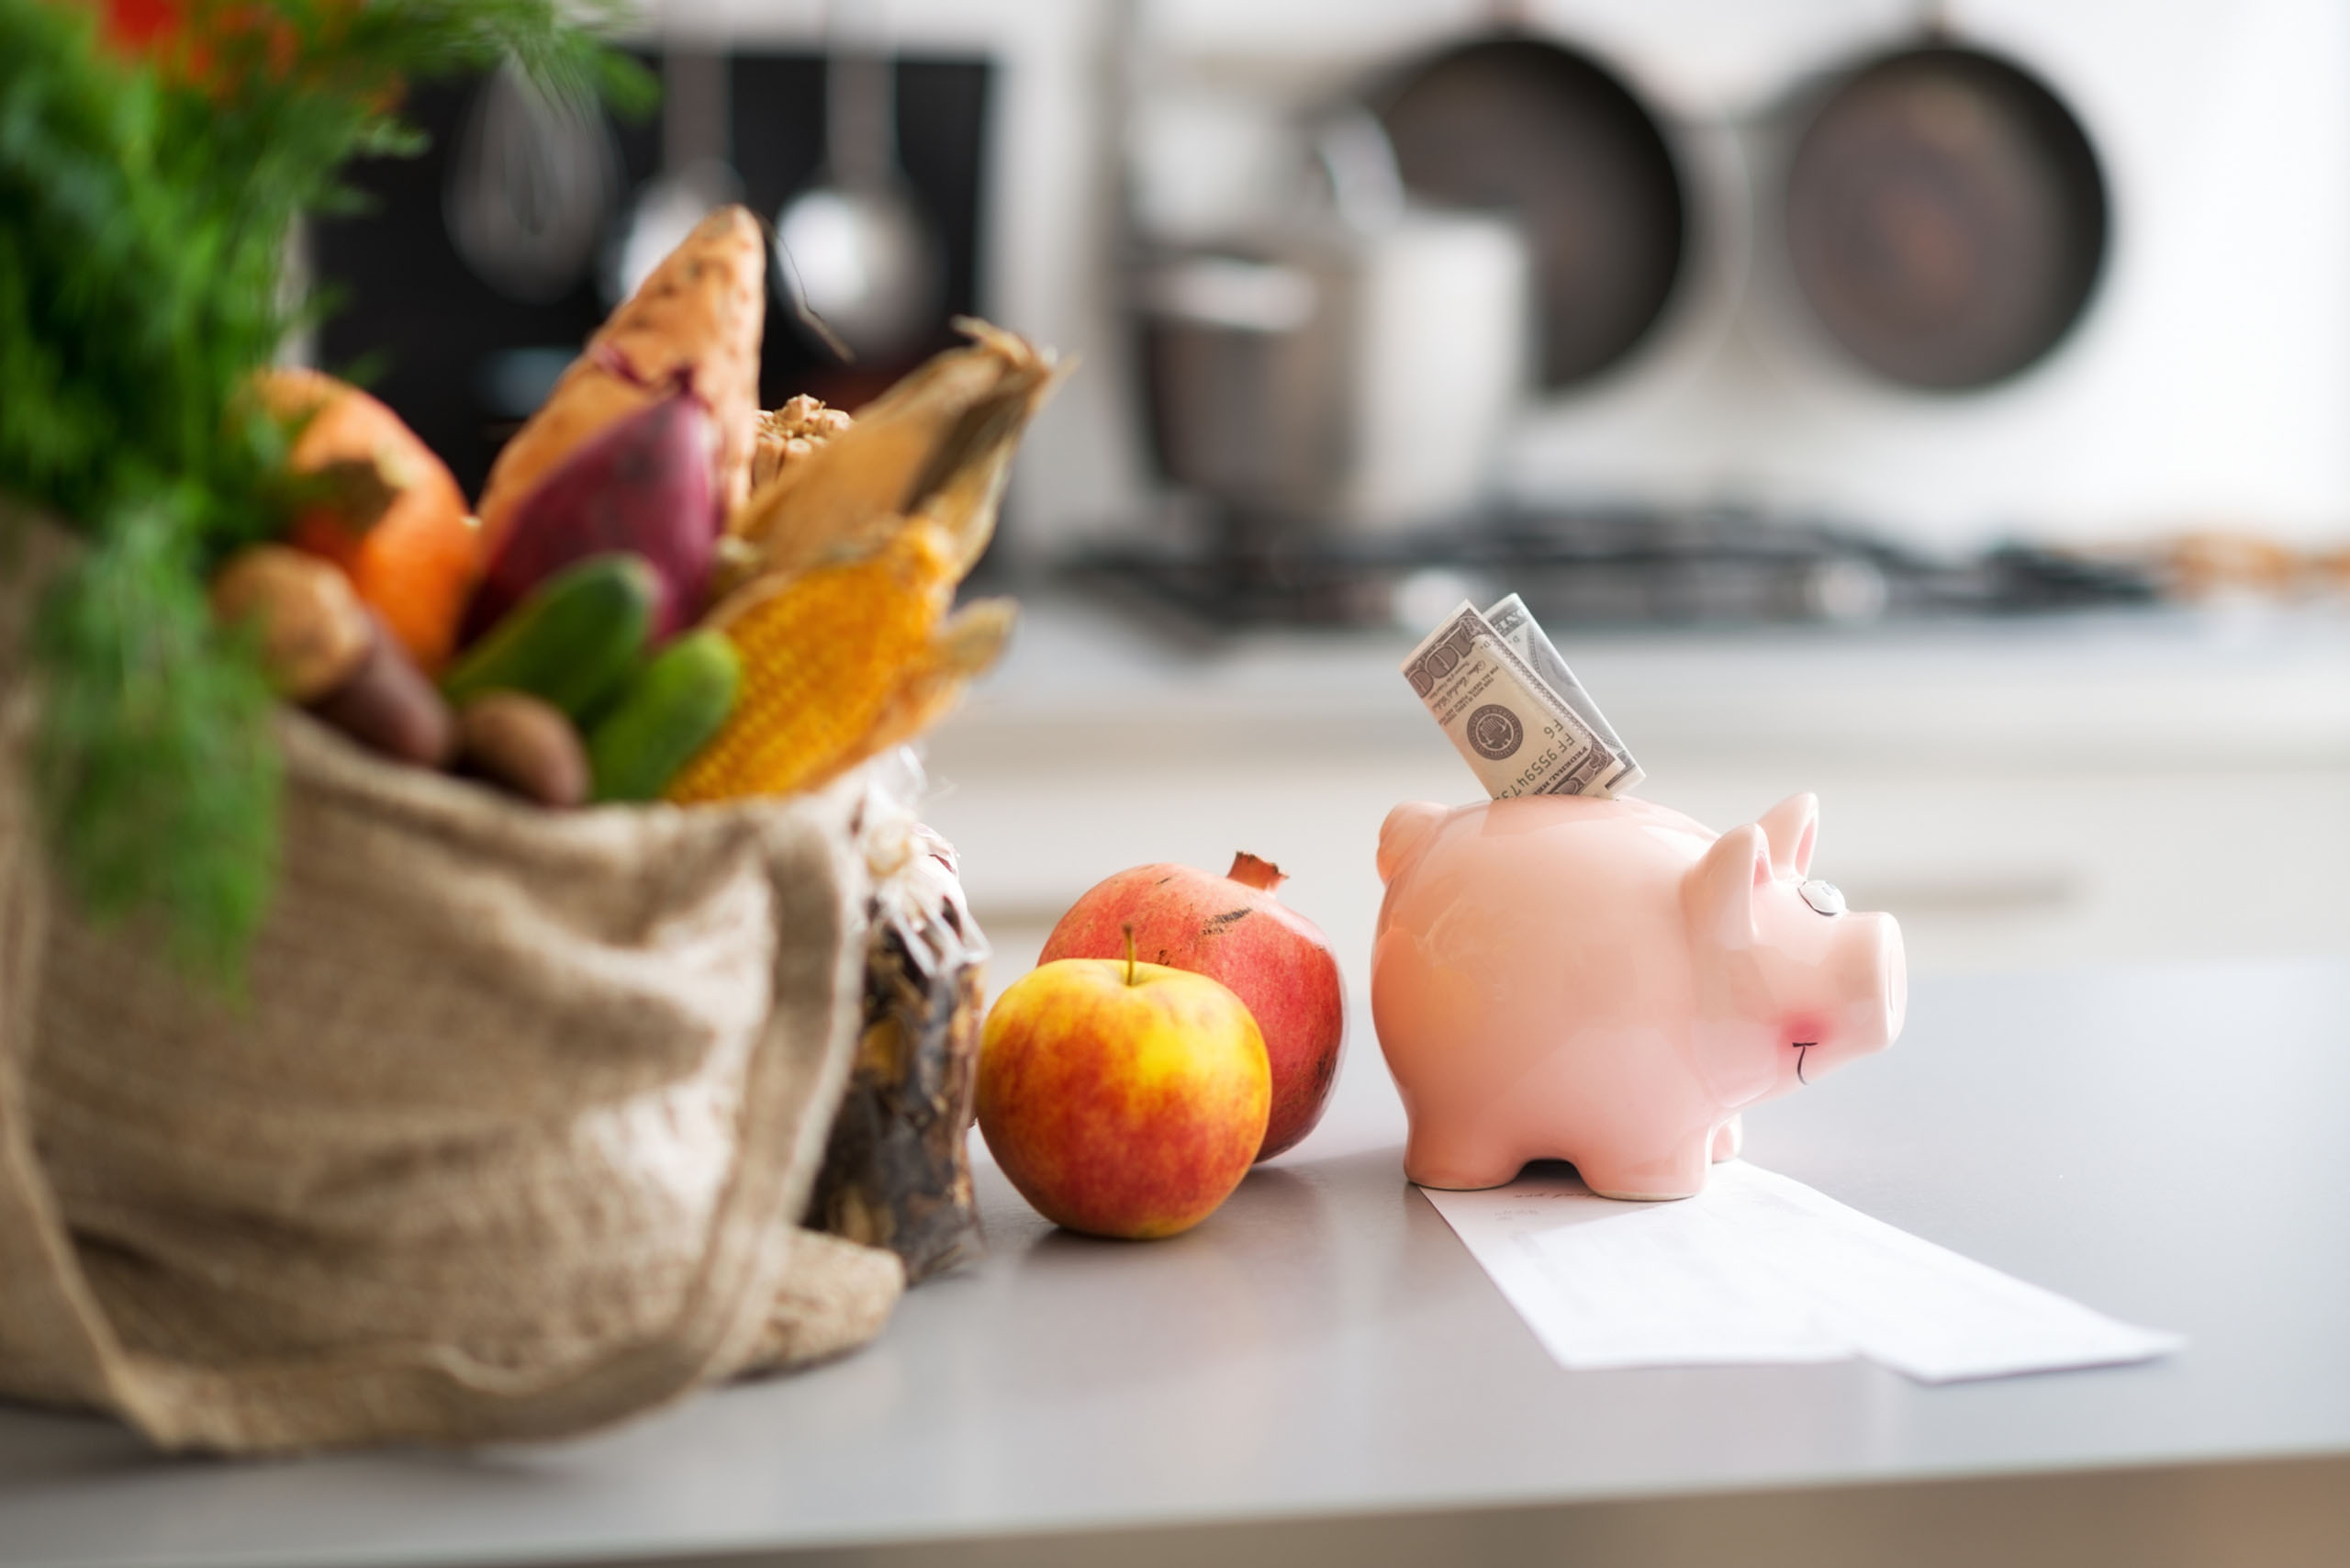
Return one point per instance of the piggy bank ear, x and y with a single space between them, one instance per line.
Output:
1720 890
1402 835
1792 826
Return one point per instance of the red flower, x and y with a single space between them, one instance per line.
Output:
141 27
213 44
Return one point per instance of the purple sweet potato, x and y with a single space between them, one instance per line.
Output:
388 705
647 484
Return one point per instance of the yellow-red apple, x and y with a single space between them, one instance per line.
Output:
1122 1099
1233 929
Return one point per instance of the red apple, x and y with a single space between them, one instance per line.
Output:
1122 1099
1232 929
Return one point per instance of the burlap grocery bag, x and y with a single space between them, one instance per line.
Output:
508 1140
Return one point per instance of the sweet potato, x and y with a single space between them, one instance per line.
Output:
642 486
693 326
389 706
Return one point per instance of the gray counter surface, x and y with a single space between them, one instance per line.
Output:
1321 1372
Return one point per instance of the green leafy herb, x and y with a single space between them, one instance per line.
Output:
148 723
148 191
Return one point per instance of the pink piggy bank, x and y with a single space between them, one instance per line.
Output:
1608 982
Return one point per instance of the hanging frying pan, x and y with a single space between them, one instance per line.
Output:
1945 218
1528 127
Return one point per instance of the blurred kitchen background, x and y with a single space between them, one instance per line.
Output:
1946 407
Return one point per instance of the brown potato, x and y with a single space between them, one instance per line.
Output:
314 632
526 744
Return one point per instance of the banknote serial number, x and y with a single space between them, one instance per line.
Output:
1560 744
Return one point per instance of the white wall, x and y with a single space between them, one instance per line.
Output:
2210 384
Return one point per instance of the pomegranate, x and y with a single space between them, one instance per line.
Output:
1233 929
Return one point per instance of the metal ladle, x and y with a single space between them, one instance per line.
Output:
854 248
696 169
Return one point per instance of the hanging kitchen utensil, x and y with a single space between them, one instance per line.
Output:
855 247
1525 126
1946 218
534 179
697 174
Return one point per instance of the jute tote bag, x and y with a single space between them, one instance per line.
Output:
506 1139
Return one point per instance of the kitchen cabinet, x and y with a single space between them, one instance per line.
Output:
2157 786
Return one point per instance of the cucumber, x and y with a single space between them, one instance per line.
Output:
667 712
572 642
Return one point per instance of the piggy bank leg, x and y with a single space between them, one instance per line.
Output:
1728 1138
1676 1173
1459 1159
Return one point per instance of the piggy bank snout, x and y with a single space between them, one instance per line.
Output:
1871 979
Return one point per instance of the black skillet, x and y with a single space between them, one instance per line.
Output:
1945 218
1527 125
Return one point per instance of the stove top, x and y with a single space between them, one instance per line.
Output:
1602 569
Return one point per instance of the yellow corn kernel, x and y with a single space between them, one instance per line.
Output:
824 651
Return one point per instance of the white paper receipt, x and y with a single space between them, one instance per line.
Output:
1759 1268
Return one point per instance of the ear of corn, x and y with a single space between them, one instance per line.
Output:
824 653
964 647
791 435
937 444
837 577
963 485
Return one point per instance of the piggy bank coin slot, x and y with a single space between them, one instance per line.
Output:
1825 898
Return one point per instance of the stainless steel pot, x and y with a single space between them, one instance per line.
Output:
1351 371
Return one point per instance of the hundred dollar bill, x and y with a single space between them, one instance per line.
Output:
1525 635
1518 736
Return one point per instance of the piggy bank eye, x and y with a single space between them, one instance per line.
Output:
1824 897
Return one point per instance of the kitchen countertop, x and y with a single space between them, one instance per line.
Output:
2227 682
1321 1372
